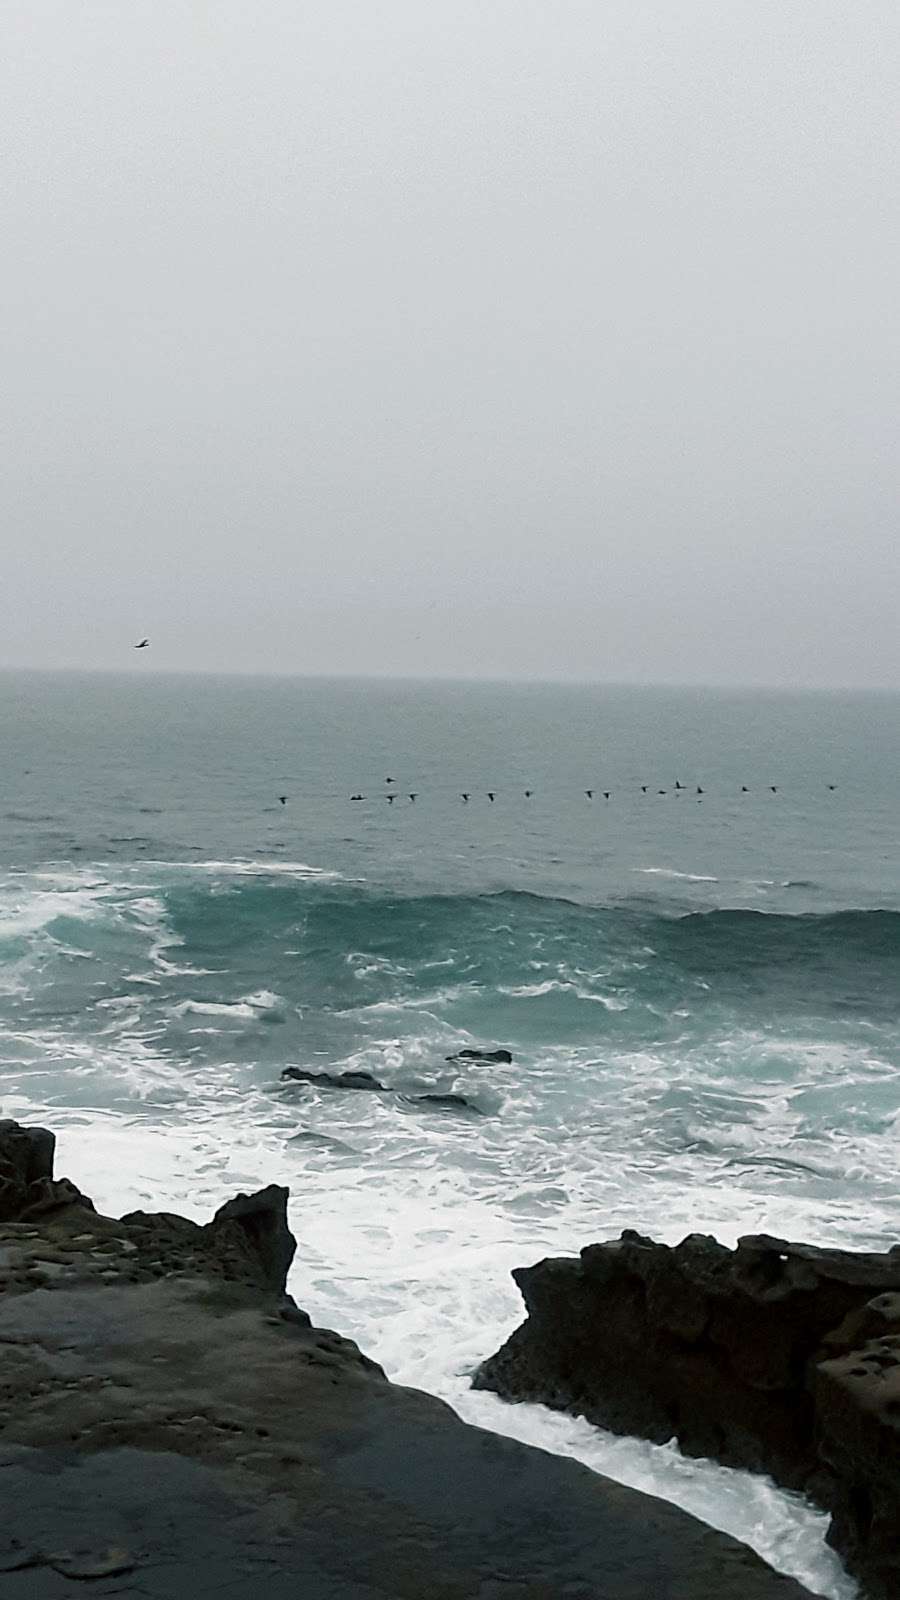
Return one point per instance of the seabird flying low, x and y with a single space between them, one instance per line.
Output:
464 798
143 644
643 788
490 795
744 789
774 788
678 785
283 798
589 793
390 799
413 798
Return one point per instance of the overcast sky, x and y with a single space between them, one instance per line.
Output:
467 337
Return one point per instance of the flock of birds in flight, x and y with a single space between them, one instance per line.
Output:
392 794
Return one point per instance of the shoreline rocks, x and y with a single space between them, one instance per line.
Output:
496 1057
172 1424
777 1357
365 1080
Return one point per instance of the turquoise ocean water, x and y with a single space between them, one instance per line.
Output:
700 988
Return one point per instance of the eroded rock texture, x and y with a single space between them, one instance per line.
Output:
172 1427
778 1357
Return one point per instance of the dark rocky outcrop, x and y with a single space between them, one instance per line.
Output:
497 1056
443 1102
262 1218
333 1080
856 1393
173 1426
364 1080
27 1184
781 1358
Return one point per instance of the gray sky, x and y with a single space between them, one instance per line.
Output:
493 338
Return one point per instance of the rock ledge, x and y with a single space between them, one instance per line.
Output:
172 1427
778 1357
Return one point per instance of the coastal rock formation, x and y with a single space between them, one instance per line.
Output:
365 1080
442 1102
777 1357
27 1185
333 1080
172 1426
498 1057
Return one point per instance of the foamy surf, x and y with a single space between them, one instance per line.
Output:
263 868
249 1007
670 872
358 1238
152 1008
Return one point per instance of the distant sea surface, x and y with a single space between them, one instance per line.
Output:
700 987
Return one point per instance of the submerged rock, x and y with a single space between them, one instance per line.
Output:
504 1056
364 1080
334 1080
444 1102
172 1424
777 1357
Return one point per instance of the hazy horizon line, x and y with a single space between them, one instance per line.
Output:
460 680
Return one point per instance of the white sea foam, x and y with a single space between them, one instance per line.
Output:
213 1008
264 1000
409 1222
173 969
254 869
249 1006
669 872
25 912
433 1001
531 991
407 1241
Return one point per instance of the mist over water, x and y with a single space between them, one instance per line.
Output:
700 990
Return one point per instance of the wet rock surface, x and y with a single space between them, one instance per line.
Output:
443 1102
364 1080
27 1185
333 1080
498 1057
172 1427
778 1357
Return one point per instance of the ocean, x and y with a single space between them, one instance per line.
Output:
698 978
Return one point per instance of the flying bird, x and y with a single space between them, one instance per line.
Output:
643 788
744 789
413 798
589 793
490 795
678 785
143 644
465 798
774 788
390 799
283 798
